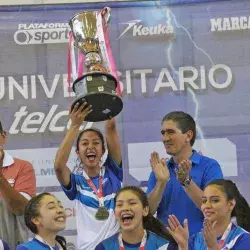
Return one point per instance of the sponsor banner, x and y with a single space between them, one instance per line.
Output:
230 23
42 160
169 57
41 33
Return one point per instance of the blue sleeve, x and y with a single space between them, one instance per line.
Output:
5 246
21 248
71 191
213 172
191 242
243 242
151 182
118 171
100 246
172 246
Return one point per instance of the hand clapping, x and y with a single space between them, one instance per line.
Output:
180 233
159 167
182 172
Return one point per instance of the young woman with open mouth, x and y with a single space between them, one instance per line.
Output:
139 229
94 185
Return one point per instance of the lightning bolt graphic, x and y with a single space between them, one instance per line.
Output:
170 16
130 25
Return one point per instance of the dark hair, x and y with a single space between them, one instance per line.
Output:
150 223
98 132
184 121
241 210
32 211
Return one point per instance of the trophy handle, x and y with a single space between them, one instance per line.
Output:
106 14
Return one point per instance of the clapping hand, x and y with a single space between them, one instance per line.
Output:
180 233
159 167
182 172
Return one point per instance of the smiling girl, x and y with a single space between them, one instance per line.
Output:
221 202
139 229
45 216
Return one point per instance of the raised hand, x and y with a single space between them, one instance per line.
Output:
78 113
159 167
182 172
180 233
209 234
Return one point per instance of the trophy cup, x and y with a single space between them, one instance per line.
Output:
98 86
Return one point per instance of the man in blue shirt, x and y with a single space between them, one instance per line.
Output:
176 188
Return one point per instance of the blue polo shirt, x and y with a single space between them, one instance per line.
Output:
176 201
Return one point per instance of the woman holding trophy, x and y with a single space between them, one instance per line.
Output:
96 182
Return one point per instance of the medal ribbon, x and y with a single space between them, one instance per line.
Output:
105 48
99 192
225 235
143 242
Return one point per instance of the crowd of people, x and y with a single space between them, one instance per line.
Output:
187 205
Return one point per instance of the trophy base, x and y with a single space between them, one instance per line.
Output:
104 106
99 90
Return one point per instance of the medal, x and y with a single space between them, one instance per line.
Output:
102 214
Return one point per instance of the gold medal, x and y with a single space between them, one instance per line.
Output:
102 214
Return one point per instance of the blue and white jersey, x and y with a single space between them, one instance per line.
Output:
90 231
154 242
3 245
35 244
238 239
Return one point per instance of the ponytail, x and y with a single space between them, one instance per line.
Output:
152 224
242 213
241 210
62 242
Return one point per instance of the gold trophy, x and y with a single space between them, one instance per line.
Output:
98 86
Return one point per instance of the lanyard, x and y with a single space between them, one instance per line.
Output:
225 235
39 238
143 242
99 192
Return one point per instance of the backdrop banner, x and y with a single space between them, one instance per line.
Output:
187 55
